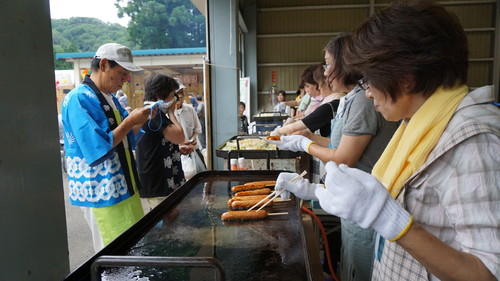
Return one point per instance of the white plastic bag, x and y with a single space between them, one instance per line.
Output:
200 166
188 166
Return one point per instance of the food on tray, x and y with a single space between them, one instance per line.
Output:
252 185
245 198
244 215
249 204
243 187
263 191
249 144
261 183
274 138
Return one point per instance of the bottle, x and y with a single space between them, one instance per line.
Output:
241 164
234 165
273 95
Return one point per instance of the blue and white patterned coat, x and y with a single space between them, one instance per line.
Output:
95 175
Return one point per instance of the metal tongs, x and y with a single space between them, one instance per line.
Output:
275 193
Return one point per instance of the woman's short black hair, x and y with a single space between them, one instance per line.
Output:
159 86
308 75
415 41
319 76
336 48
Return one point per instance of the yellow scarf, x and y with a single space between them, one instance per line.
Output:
412 142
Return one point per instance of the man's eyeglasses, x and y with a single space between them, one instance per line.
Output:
363 84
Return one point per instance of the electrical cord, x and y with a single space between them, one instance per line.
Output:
323 233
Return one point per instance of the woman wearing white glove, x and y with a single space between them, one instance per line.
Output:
319 119
442 164
358 136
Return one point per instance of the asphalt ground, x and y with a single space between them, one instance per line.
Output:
79 236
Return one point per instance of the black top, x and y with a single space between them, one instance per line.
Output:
158 160
320 118
243 124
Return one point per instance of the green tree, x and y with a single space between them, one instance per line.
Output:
62 65
82 34
159 24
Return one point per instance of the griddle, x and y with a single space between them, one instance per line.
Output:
184 238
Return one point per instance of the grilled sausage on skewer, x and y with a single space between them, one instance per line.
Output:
246 198
246 187
248 204
244 215
263 191
261 183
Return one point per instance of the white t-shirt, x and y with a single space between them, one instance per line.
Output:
187 117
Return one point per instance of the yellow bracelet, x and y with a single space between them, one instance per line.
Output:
309 146
405 230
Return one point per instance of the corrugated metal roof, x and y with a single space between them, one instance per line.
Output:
155 52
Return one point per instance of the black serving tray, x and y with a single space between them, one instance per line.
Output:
269 117
253 154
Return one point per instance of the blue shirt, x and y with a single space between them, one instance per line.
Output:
193 102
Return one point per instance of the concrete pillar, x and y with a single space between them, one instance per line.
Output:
33 239
249 12
224 78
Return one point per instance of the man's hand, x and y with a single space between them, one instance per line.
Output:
134 121
139 116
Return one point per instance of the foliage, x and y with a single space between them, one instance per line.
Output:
159 24
155 24
82 34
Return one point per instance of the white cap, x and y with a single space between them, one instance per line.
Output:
181 86
120 54
234 160
241 160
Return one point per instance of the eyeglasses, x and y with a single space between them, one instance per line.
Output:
326 67
363 84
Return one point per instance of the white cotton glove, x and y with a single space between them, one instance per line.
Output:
275 132
294 143
358 196
301 188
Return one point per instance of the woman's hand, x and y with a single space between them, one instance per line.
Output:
358 196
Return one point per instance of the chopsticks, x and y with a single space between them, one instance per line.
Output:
275 194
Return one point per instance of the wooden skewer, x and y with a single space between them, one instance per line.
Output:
278 193
263 199
277 214
278 200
